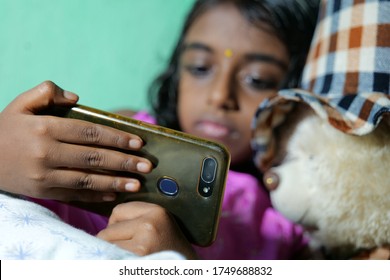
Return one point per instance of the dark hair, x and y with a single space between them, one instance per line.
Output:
292 21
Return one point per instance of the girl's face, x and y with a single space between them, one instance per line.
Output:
227 67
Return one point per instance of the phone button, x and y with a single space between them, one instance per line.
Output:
168 186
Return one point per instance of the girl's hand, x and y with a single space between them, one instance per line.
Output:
59 158
145 228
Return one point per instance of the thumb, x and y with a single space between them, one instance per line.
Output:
41 97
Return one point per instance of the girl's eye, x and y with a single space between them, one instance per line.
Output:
197 71
260 84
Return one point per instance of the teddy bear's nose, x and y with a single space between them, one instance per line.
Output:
271 180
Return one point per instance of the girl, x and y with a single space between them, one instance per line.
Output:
231 55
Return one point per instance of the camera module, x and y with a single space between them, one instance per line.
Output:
207 176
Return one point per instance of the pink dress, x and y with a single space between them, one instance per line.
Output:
249 227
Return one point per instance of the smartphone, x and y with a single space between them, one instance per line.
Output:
188 178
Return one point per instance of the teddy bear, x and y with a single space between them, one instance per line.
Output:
324 149
333 183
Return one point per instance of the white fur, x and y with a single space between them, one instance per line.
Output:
338 184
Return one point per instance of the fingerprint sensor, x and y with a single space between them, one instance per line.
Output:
168 186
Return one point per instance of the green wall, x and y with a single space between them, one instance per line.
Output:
107 51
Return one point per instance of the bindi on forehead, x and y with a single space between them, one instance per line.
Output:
228 53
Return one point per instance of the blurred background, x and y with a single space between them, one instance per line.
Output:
106 51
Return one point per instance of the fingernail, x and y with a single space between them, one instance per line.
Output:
131 186
70 95
109 197
143 167
135 143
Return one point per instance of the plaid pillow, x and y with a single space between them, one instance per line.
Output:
347 76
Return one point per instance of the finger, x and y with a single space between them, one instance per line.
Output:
41 96
83 132
86 157
135 247
137 209
130 245
123 230
127 235
146 240
79 180
127 245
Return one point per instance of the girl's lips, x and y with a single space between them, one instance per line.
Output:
213 129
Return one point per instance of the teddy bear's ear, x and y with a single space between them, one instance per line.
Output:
265 161
266 119
274 128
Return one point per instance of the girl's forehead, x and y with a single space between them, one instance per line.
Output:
222 20
225 27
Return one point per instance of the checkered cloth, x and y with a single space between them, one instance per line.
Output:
346 79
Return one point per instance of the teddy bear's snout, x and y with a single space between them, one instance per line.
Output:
271 180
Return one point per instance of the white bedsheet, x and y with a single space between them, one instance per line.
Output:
30 231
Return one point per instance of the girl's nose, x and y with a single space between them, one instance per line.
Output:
270 180
222 94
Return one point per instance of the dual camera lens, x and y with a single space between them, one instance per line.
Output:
169 186
207 176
